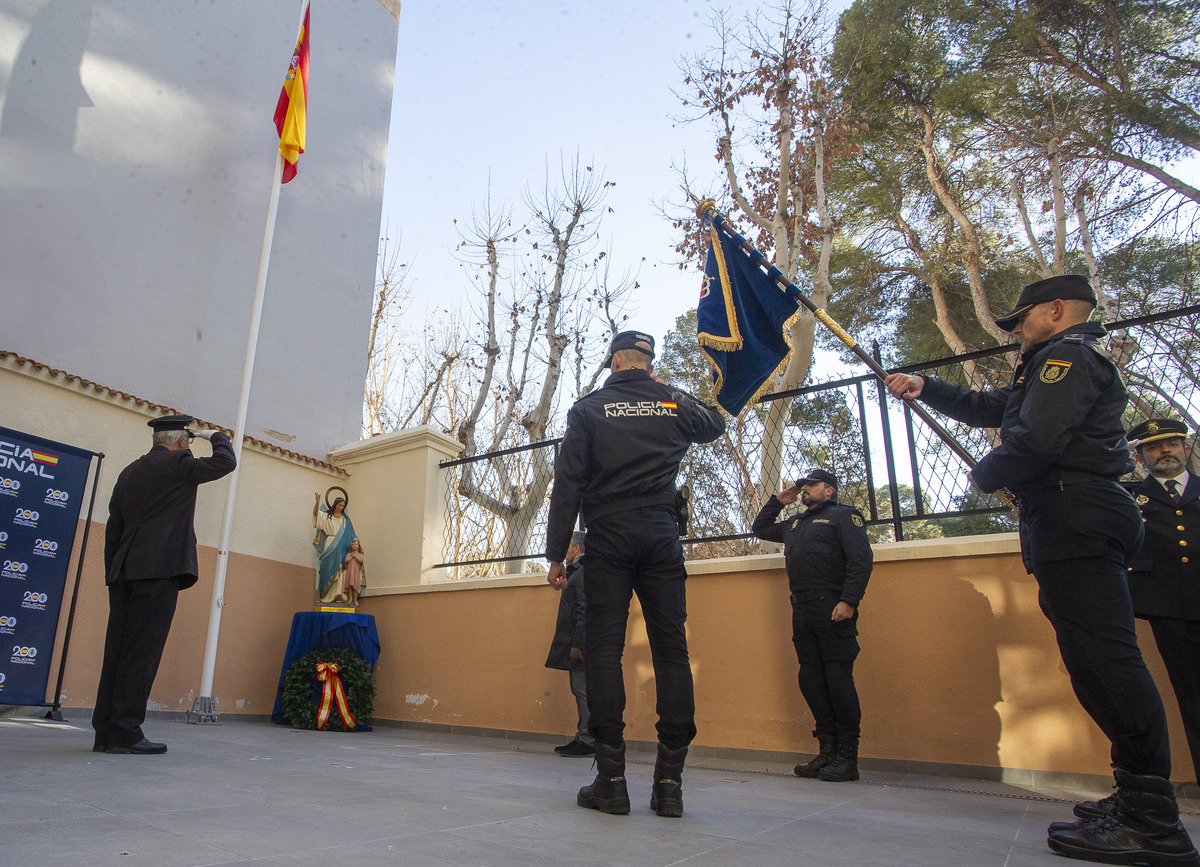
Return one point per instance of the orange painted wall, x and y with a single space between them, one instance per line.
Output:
260 597
958 665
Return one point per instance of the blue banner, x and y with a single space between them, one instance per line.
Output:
41 492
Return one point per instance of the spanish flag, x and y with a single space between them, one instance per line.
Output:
291 113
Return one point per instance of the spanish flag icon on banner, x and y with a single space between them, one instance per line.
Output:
291 112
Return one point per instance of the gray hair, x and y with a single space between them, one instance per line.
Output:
167 437
579 537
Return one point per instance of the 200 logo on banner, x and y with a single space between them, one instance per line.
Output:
24 655
34 600
14 569
9 487
8 624
26 518
45 548
58 498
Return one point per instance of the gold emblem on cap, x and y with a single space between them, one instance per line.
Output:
1152 427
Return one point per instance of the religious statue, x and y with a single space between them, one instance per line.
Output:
339 553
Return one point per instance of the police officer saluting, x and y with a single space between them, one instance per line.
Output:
1164 580
828 559
1062 450
617 465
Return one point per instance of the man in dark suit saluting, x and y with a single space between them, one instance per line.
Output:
1164 580
149 556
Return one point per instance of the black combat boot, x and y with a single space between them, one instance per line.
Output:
825 756
666 798
608 792
1086 811
1142 829
844 767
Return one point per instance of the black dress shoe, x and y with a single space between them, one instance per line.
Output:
141 748
576 748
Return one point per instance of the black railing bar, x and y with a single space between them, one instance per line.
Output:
488 455
534 556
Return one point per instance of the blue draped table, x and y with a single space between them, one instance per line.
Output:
312 630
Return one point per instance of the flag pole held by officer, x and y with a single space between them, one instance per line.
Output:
1062 448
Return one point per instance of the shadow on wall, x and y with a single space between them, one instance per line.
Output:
45 91
940 660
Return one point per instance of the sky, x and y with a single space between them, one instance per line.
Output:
496 94
501 91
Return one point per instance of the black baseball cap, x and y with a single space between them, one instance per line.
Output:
1156 429
170 422
638 340
818 475
1068 287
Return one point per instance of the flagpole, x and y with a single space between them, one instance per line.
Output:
707 210
204 709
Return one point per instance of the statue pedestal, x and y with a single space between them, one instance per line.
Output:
312 630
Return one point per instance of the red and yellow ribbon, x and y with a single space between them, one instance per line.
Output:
332 691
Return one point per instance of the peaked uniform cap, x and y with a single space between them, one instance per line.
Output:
818 475
1156 429
638 340
1068 287
170 422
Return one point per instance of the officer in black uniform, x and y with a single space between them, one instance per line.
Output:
1062 449
149 556
617 464
1164 580
828 559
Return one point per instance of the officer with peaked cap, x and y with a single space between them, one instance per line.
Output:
149 556
828 559
1061 452
617 465
1164 580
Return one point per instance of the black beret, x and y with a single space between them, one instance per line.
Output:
630 340
1068 287
819 476
170 422
1156 429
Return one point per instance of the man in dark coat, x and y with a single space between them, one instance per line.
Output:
617 466
828 560
1164 580
149 556
566 649
1062 448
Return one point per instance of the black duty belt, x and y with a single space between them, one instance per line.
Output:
810 596
1062 478
662 498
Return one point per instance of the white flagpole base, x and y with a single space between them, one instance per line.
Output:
204 712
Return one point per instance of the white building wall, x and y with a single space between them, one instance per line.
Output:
136 152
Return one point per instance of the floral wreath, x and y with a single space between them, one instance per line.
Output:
330 689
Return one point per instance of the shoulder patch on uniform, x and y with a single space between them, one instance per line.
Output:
1142 499
856 520
1054 371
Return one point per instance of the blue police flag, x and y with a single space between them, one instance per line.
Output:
741 323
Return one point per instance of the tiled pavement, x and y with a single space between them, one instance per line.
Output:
256 793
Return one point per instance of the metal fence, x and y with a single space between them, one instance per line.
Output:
901 476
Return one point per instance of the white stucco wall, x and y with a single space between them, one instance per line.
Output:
136 153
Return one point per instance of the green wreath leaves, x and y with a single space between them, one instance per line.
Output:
302 691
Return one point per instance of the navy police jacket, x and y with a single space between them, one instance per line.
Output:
1164 580
151 514
624 442
1062 412
825 549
